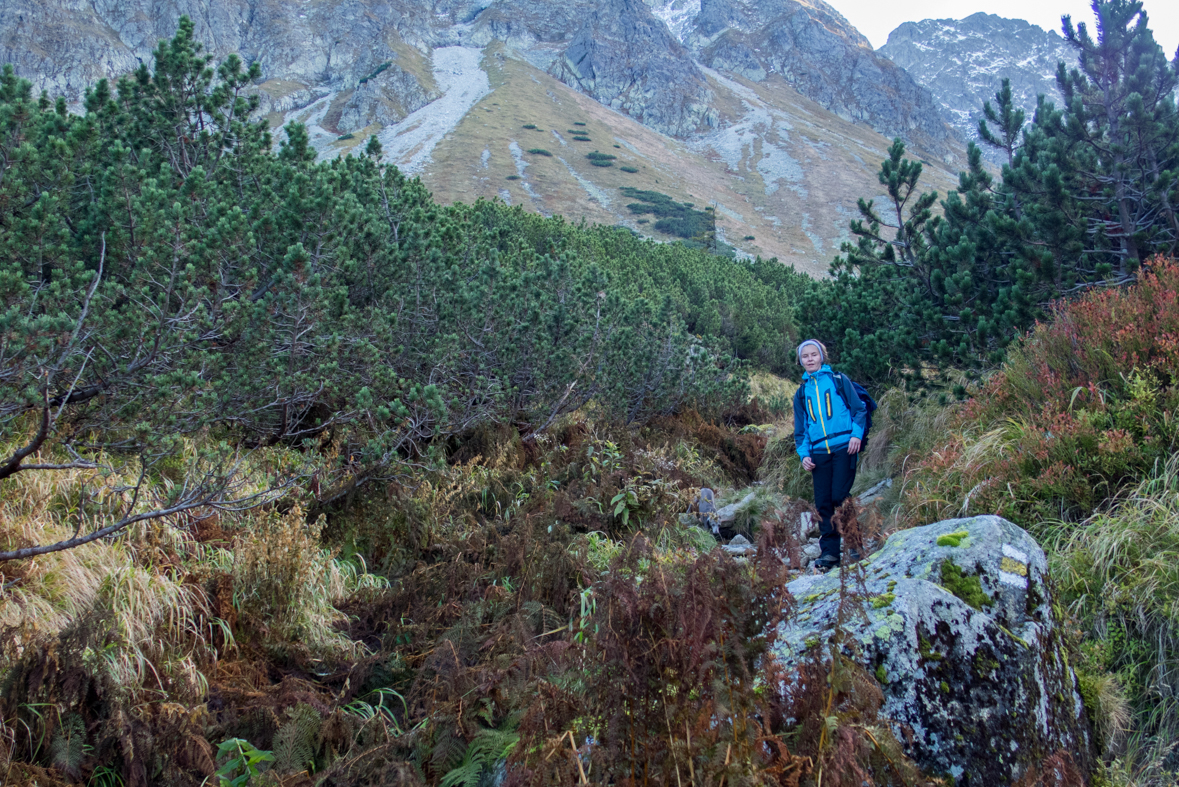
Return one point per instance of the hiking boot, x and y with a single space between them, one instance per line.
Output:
825 563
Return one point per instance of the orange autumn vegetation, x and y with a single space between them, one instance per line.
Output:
1083 406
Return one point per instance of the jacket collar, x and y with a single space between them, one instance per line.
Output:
824 369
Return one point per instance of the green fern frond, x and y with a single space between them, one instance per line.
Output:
68 747
294 743
448 751
466 774
491 746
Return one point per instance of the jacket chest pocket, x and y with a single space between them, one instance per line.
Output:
830 413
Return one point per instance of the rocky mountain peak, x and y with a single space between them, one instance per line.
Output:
963 62
817 52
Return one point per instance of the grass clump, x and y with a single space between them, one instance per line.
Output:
540 152
1119 573
1082 408
630 169
967 587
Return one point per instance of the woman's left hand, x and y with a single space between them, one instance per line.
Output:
853 446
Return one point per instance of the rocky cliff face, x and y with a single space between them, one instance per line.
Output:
963 62
820 54
620 52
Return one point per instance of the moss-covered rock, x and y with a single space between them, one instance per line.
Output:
978 686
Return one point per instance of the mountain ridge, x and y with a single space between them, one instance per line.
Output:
962 62
353 68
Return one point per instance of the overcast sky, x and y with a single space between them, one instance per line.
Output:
877 18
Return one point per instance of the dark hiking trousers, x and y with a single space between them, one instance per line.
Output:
833 477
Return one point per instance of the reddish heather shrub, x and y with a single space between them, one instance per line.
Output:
1084 404
661 684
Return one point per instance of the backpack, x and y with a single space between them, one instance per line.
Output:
863 395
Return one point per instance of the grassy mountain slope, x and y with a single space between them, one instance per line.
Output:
779 168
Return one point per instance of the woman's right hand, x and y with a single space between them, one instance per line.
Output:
808 464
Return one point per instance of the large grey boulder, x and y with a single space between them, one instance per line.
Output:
955 621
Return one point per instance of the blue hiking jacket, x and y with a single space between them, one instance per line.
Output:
823 423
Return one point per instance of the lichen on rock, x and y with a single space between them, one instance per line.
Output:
976 681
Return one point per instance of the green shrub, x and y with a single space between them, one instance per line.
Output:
629 169
539 152
530 126
676 218
345 137
512 177
750 237
379 70
578 123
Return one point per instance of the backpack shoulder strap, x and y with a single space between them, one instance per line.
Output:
842 383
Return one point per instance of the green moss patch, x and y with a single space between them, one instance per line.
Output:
952 539
965 586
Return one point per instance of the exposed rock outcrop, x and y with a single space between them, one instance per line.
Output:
963 62
66 45
958 628
822 56
627 59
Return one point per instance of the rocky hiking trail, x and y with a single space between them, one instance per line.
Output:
749 503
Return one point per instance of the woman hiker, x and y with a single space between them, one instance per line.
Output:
828 429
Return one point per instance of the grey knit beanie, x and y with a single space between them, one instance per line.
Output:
817 343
